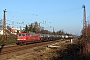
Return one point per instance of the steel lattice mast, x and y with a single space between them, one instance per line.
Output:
84 32
4 27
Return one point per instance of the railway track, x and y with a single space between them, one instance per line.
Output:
10 49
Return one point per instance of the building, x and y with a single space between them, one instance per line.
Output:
9 30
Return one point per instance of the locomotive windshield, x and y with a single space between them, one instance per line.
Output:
21 34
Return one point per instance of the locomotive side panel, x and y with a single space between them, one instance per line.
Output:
34 37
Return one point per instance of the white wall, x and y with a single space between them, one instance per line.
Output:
1 32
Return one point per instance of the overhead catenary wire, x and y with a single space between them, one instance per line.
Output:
22 17
56 12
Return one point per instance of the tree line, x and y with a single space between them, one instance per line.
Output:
36 28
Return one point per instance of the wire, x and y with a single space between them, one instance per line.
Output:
18 15
63 11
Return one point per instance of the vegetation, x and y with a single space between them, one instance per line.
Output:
85 42
10 39
26 28
35 27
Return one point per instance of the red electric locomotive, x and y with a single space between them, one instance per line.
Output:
23 38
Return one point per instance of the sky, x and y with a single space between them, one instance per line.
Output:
66 15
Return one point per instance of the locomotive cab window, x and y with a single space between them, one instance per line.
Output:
21 34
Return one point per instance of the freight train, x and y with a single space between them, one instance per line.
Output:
24 38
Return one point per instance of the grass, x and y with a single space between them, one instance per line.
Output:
10 39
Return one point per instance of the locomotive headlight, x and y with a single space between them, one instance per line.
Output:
18 39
